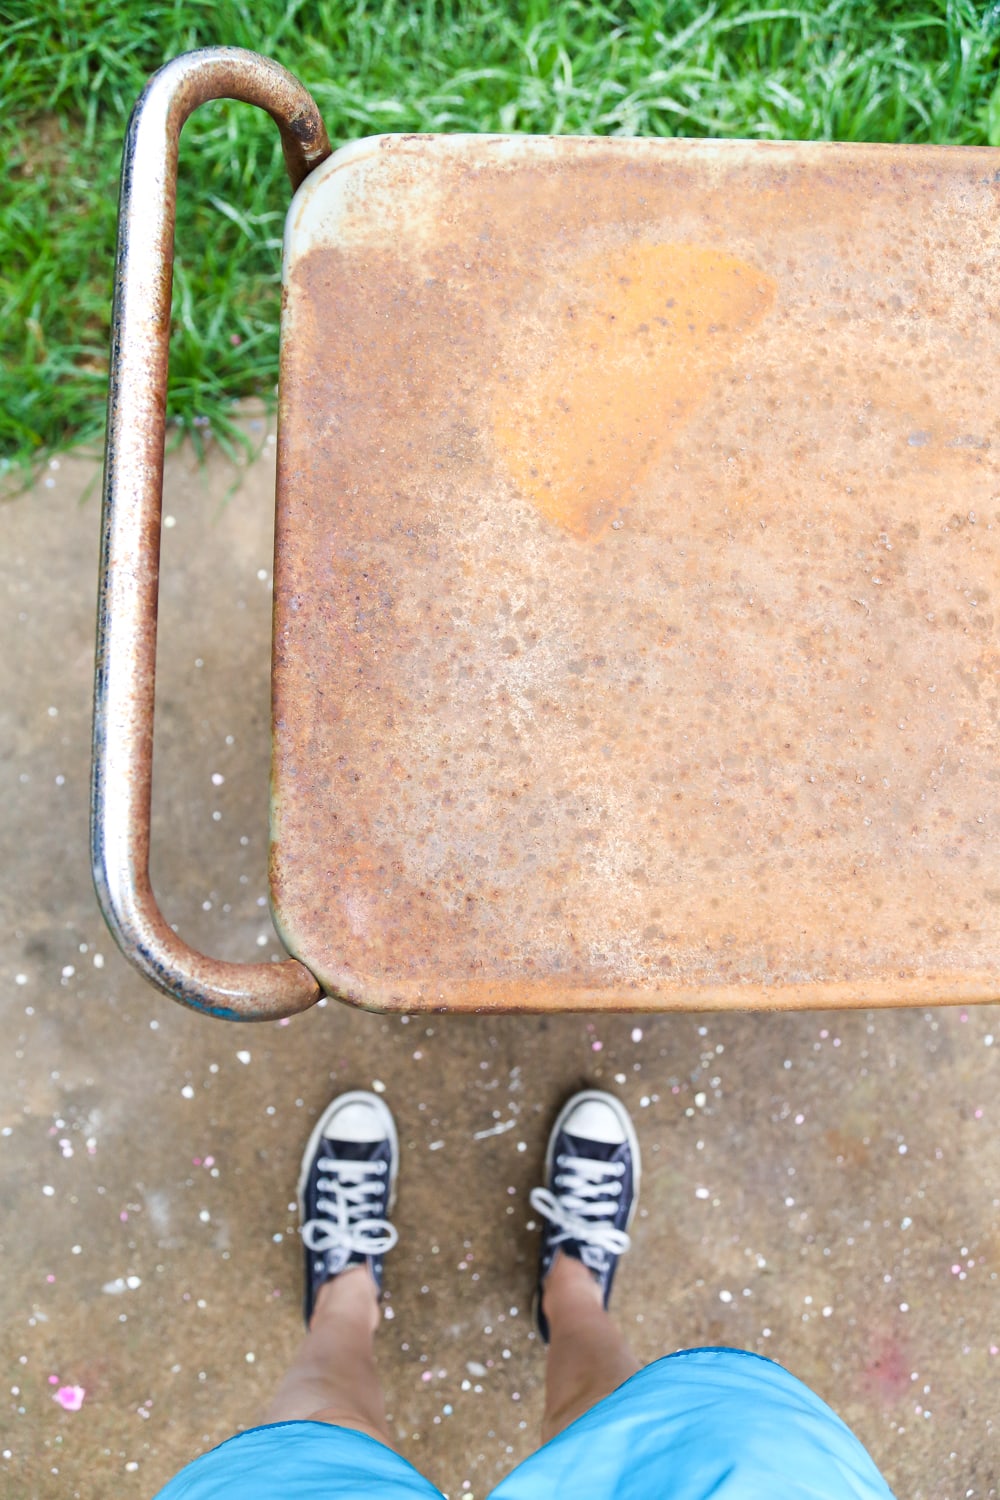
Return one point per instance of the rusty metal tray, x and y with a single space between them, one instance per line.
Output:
637 532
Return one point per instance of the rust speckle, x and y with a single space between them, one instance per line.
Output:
634 342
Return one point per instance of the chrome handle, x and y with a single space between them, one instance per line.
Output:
130 538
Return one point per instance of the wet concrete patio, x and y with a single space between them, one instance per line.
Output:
823 1188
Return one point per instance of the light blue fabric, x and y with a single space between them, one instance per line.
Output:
703 1424
300 1461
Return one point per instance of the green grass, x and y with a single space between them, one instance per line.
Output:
900 70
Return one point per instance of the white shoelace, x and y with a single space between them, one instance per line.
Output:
586 1196
347 1187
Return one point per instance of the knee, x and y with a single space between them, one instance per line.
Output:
338 1416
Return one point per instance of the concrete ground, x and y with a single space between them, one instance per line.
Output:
822 1188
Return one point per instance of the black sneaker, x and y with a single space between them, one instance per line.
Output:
592 1172
347 1187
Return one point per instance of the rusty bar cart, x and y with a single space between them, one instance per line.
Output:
637 532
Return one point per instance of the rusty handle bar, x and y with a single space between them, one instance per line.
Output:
130 538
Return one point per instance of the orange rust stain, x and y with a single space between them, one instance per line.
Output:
623 359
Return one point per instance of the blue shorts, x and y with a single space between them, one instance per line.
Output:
703 1424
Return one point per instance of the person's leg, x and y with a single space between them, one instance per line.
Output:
333 1377
346 1191
592 1172
588 1355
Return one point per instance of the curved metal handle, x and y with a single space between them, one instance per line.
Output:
130 541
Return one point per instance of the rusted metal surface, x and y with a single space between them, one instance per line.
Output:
635 578
130 546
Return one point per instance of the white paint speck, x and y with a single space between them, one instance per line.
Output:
187 1092
725 1296
378 1085
243 1056
49 1192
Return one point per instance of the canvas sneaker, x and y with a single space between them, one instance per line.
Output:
592 1186
347 1188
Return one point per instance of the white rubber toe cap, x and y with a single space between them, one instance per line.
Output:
357 1120
594 1120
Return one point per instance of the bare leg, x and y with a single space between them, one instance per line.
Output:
333 1377
588 1356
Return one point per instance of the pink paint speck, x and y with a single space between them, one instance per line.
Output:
285 1021
978 1114
123 1217
196 1161
50 1279
596 1046
70 1397
53 1380
210 1161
